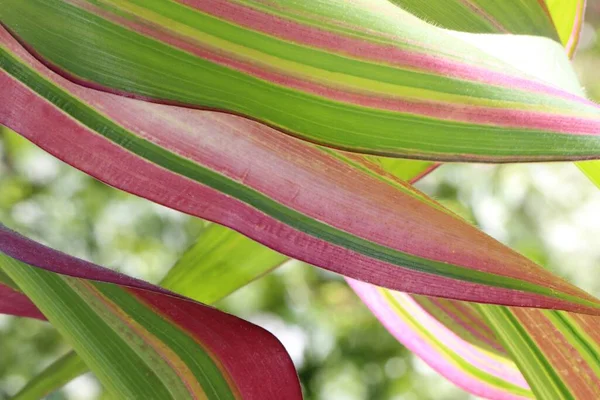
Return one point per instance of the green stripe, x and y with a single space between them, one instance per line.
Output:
459 322
152 68
116 364
204 368
541 375
158 363
576 336
514 16
161 157
460 362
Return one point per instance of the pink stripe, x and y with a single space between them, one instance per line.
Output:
469 352
510 118
415 343
577 26
354 47
248 152
470 325
478 10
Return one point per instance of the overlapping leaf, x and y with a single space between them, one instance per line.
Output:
363 76
309 203
220 262
143 341
534 45
451 337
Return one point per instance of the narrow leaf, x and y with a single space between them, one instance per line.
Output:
559 353
145 342
362 76
61 372
450 337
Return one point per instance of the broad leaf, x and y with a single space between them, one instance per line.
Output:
145 342
362 76
307 202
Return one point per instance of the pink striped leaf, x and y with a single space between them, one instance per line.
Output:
451 337
365 76
310 203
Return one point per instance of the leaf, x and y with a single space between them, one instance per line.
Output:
309 203
559 353
362 76
529 17
568 20
58 374
219 263
145 342
451 337
13 302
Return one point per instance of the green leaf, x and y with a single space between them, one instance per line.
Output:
219 263
58 374
362 76
524 17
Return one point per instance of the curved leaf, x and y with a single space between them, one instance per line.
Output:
220 262
362 76
451 338
568 19
143 341
307 202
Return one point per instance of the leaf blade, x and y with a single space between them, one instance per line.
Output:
534 115
160 344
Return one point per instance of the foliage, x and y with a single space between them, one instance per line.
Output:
348 213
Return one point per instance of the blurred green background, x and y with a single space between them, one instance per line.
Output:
549 212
